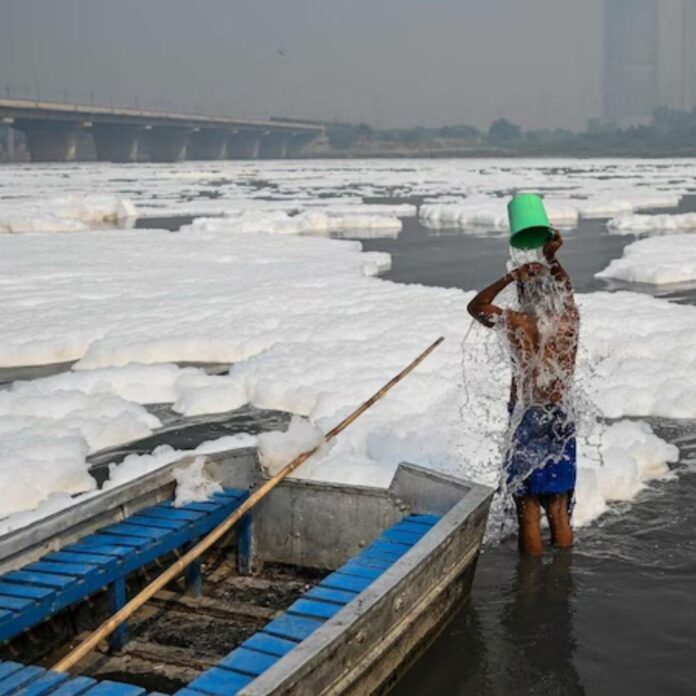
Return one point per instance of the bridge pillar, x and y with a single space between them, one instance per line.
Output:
274 146
9 139
208 144
296 141
116 142
243 145
168 144
50 141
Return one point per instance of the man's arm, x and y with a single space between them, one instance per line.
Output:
482 308
559 273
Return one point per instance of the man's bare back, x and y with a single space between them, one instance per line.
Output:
543 341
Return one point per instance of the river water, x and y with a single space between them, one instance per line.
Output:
617 615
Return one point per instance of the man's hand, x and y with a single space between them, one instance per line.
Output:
553 245
528 271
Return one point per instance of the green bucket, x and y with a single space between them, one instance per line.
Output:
529 224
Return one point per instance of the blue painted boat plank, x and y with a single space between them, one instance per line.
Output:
412 527
292 627
157 522
400 536
371 561
337 581
99 539
313 608
194 507
5 616
42 579
360 570
188 691
263 642
171 514
111 688
427 520
7 668
383 546
341 597
123 529
11 589
78 570
74 687
45 684
93 559
16 604
220 682
20 678
248 661
117 552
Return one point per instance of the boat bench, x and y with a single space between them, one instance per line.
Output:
16 680
104 559
259 652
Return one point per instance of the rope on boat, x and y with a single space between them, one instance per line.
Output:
123 614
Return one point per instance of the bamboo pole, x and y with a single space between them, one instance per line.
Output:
123 614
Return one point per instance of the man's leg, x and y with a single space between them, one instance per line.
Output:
529 518
558 514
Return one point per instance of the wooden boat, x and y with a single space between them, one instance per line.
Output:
323 589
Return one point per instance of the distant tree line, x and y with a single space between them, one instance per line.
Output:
670 132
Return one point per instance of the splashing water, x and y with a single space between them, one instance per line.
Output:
541 380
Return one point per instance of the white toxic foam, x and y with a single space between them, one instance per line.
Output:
72 213
657 224
657 260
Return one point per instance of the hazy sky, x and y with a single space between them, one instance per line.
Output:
388 62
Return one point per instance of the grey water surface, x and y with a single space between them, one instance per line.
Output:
617 614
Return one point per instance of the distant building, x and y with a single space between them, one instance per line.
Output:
688 55
631 47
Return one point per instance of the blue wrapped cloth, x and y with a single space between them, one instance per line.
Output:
541 458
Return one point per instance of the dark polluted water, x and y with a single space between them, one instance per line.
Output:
617 614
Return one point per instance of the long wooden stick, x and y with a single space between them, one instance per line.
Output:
123 614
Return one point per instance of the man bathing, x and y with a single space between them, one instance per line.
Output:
543 338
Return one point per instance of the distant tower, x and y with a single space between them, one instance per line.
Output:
688 66
630 60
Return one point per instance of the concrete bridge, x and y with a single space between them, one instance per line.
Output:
53 130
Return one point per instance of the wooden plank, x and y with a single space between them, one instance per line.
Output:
20 678
314 609
7 668
45 684
248 661
101 540
13 590
383 546
337 581
111 688
263 642
74 687
426 520
117 552
77 570
326 594
171 514
400 536
5 615
16 604
157 522
360 570
42 579
123 529
220 682
215 607
292 627
94 559
373 561
413 527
